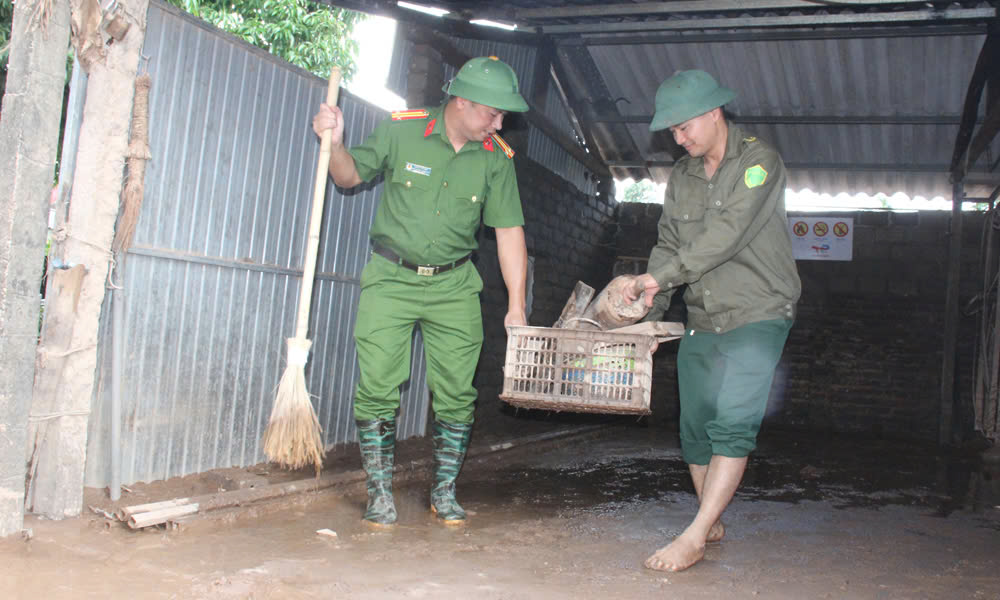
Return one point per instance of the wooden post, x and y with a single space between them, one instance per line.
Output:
29 139
951 315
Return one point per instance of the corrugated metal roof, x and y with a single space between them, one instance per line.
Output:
906 66
897 77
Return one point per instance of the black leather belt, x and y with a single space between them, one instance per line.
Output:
427 270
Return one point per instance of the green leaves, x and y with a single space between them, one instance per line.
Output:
307 34
640 191
6 19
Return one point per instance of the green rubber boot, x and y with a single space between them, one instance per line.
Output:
451 440
378 442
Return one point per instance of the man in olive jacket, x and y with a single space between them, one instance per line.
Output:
724 234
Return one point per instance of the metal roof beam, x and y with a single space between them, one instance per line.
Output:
967 149
581 86
808 119
776 35
451 24
912 16
988 131
652 8
900 168
567 96
537 118
979 178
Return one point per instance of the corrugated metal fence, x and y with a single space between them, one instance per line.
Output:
211 282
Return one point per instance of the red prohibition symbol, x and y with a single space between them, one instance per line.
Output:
800 228
840 229
821 228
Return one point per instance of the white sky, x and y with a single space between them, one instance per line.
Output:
375 36
807 199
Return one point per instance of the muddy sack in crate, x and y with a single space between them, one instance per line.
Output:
608 310
578 370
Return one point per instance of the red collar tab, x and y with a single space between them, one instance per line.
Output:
430 128
488 144
503 146
406 115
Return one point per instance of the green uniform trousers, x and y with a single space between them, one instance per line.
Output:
446 305
724 382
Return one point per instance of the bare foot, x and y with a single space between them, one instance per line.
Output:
677 555
716 533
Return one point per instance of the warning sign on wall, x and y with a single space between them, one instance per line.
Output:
822 238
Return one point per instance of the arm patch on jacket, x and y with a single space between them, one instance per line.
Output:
754 176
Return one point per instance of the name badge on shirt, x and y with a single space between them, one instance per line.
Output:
418 169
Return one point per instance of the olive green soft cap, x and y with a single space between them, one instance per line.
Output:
489 81
685 95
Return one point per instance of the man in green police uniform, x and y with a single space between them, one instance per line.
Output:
723 233
445 169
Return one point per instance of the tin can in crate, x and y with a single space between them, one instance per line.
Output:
608 370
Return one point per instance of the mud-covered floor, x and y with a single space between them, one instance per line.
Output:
574 518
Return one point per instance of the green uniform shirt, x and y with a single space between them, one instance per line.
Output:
727 238
434 197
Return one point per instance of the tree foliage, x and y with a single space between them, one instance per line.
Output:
6 20
305 33
640 191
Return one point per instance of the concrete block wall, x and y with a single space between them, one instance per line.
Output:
865 353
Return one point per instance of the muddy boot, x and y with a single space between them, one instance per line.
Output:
451 440
378 441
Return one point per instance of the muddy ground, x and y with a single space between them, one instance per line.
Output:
571 517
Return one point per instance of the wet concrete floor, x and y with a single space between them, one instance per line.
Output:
816 517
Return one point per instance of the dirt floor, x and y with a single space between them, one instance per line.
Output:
569 517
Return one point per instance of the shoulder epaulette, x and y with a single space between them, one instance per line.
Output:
503 146
752 138
406 115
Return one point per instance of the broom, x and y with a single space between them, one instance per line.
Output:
292 438
138 154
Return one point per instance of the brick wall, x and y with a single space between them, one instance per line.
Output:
866 350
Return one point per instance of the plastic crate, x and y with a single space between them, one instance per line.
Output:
578 371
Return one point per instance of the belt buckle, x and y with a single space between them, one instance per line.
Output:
426 271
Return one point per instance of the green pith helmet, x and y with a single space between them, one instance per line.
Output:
685 95
489 81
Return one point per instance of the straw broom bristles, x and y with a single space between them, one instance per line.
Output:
138 154
293 438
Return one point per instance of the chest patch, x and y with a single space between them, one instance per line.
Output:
418 169
754 176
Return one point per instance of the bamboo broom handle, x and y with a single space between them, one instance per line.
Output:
316 215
